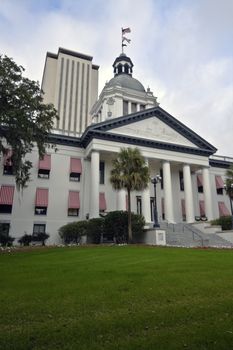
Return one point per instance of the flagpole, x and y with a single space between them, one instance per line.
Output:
122 46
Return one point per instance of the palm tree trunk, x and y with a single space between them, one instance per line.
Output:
130 236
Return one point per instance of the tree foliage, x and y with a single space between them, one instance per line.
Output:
24 120
229 182
129 172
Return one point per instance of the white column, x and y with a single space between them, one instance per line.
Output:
188 192
121 200
146 202
94 191
129 107
167 188
207 193
138 107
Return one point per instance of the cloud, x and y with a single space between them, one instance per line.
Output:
181 49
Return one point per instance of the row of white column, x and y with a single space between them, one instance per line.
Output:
168 195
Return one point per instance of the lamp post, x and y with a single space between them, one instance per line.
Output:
154 181
228 187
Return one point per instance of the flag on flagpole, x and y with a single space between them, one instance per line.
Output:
126 39
126 30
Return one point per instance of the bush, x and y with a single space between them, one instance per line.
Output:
5 240
72 232
224 221
40 237
95 230
116 226
25 240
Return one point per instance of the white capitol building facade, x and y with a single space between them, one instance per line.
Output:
72 181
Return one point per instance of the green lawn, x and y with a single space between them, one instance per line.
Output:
126 297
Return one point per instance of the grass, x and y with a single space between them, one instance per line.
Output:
106 298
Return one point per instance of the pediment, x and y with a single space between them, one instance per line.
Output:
153 129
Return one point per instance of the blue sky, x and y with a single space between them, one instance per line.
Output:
182 49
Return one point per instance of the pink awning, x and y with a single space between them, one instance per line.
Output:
162 205
199 180
183 207
42 197
102 201
223 210
202 207
219 182
7 158
45 163
73 201
7 195
75 165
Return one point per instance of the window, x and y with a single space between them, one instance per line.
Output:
119 68
7 163
181 178
139 205
202 208
41 203
101 169
133 107
183 209
142 107
44 167
38 228
4 228
6 199
223 210
73 203
102 202
125 107
163 208
126 67
219 184
152 208
161 175
75 169
199 183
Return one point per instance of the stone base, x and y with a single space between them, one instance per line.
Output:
153 236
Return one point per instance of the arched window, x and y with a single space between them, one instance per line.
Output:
119 68
126 68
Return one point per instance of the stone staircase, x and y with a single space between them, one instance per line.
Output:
187 235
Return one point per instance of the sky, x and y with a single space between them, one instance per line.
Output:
181 49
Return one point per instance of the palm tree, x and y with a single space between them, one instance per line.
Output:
129 172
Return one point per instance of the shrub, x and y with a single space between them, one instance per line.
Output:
224 221
25 240
72 232
116 226
95 230
5 240
40 237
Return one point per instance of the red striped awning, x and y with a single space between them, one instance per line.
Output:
223 210
7 158
183 207
7 195
202 207
73 201
219 182
199 180
42 197
75 165
162 205
102 201
45 163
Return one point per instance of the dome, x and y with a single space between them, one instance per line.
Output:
126 81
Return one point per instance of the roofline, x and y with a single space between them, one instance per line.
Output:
161 114
70 53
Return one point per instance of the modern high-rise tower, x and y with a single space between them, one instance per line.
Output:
70 82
